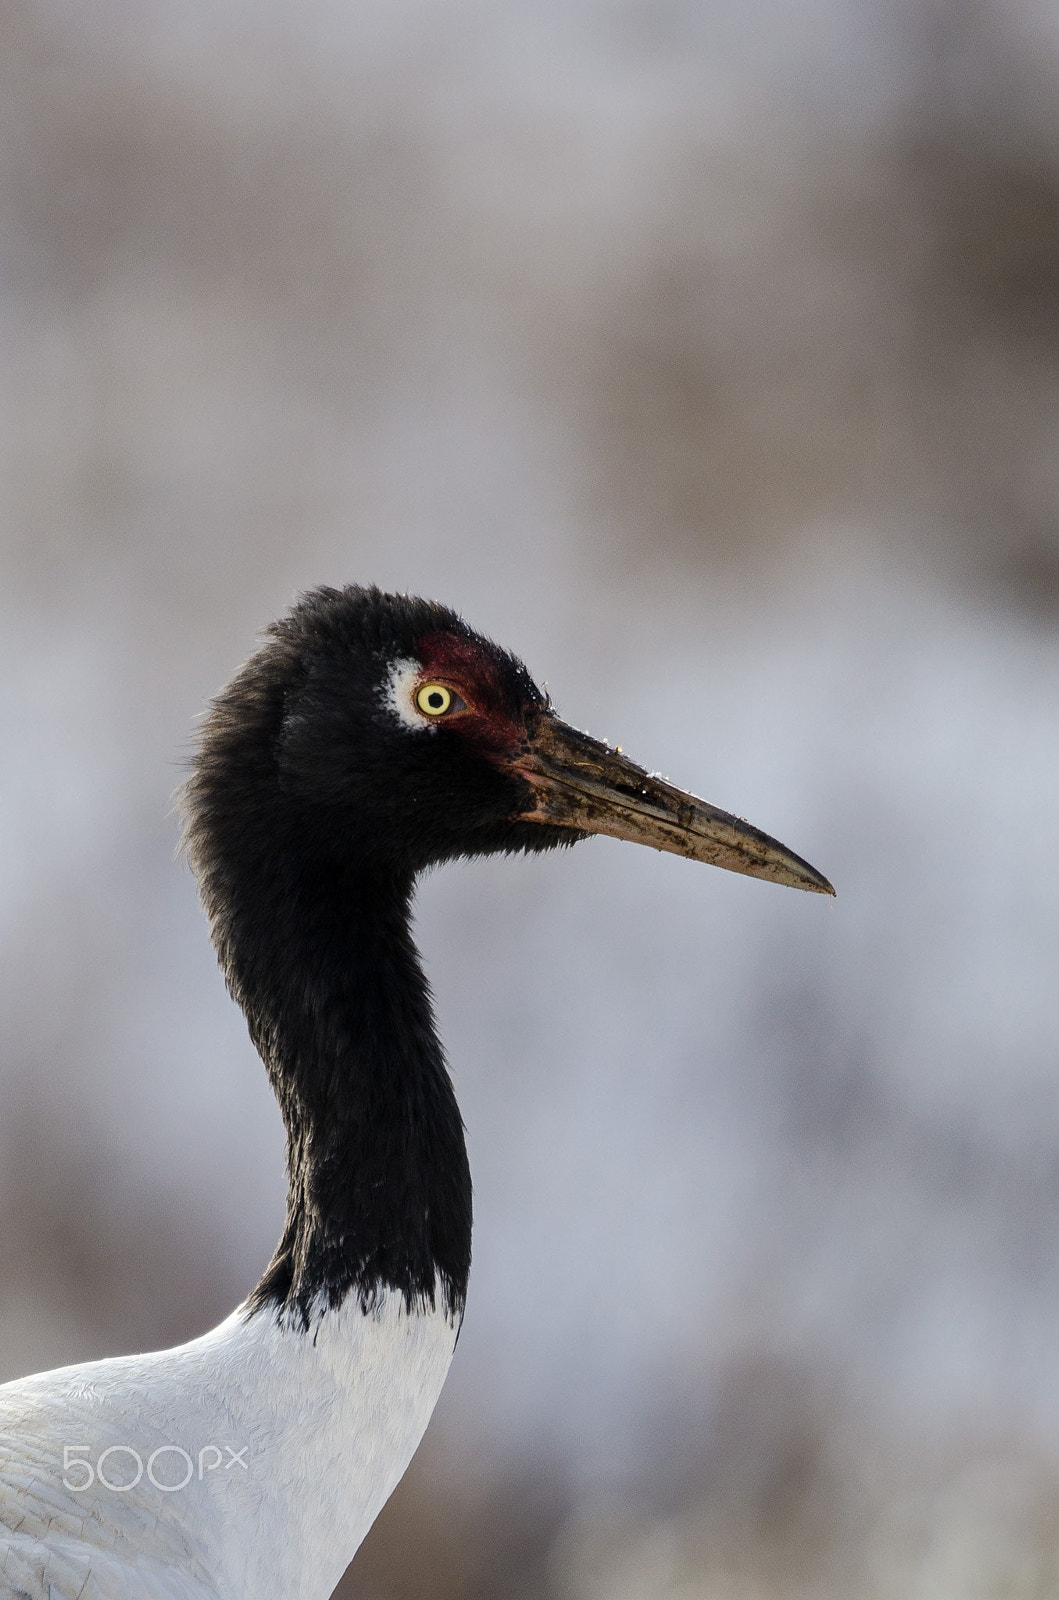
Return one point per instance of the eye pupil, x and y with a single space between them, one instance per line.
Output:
435 701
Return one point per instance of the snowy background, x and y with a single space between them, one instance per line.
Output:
708 356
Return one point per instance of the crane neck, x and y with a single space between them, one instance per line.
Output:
379 1194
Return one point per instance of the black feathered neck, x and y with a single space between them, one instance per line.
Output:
308 883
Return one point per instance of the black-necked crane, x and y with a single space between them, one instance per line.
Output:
369 737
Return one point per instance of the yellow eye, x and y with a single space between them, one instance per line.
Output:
433 699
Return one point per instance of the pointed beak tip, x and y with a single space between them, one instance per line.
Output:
788 870
796 871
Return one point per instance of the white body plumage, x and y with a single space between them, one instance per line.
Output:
290 1440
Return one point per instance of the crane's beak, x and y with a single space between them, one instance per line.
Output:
581 783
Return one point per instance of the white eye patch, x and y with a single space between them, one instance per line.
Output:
399 690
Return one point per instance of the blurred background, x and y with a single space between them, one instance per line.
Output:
706 354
